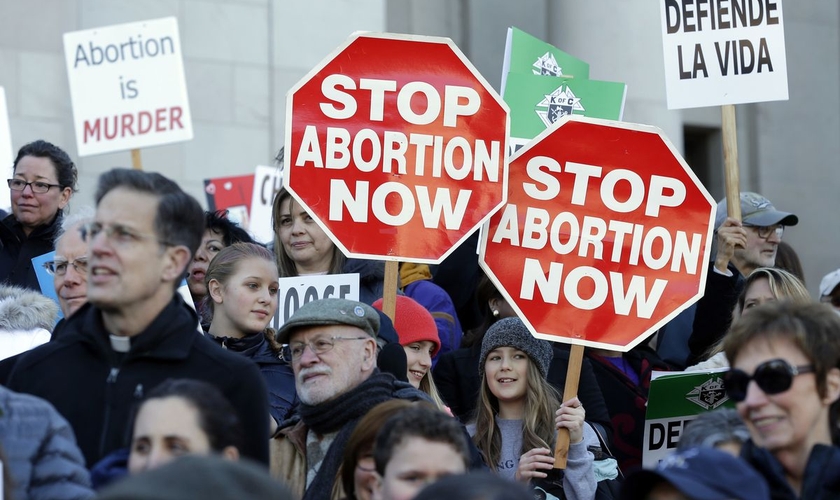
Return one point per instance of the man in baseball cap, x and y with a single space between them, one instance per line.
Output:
331 345
752 243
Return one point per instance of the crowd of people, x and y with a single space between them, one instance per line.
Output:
120 387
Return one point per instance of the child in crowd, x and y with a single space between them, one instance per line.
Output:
242 296
519 414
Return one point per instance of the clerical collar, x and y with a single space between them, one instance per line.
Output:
120 344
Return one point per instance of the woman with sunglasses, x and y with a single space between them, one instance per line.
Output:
785 380
43 180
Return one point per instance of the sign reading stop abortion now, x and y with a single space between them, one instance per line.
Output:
127 86
605 234
723 52
396 147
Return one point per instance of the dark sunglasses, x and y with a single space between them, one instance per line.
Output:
773 377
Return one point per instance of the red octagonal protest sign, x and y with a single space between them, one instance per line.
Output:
396 145
605 234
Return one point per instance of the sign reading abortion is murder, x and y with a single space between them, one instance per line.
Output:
127 86
723 52
396 146
605 235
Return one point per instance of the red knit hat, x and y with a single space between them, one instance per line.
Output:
414 322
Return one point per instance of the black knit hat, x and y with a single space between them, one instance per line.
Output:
511 332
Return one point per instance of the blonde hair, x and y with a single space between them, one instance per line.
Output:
538 428
427 385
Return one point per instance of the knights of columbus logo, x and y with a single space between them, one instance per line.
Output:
709 395
547 65
558 104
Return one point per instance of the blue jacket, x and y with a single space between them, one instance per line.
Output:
41 453
278 375
821 479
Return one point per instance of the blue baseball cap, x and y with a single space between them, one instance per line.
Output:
701 473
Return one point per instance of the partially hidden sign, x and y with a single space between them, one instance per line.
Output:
723 52
605 234
127 86
396 146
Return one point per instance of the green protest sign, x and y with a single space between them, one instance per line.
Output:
525 54
676 399
536 102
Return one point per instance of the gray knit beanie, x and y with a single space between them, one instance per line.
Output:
511 332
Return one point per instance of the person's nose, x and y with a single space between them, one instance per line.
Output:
308 356
73 277
426 360
201 255
755 396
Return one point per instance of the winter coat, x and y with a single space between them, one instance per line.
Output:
17 250
822 472
278 375
26 318
97 389
41 453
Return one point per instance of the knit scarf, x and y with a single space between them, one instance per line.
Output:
411 272
342 414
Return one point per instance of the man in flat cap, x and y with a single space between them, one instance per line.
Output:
331 345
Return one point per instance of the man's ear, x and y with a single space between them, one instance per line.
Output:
832 386
177 258
369 360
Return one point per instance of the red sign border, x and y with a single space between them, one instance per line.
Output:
395 36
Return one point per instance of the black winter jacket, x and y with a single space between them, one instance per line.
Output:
17 250
97 389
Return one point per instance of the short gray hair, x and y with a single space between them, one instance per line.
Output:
714 428
82 216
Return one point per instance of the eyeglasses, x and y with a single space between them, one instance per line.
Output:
59 268
764 232
37 187
293 351
117 234
773 377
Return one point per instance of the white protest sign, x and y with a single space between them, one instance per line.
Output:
127 86
7 156
723 52
267 181
296 291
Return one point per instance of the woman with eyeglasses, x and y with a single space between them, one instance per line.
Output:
785 381
43 180
241 283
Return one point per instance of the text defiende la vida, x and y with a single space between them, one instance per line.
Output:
688 16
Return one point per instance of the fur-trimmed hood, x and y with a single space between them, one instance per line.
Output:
23 309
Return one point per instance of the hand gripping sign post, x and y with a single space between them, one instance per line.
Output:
127 87
724 52
396 147
604 237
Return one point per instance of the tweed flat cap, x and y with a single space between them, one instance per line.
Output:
331 312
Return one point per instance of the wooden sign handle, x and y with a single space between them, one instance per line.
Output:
730 161
561 449
136 163
389 297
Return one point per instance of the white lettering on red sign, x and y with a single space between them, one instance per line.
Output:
653 247
420 155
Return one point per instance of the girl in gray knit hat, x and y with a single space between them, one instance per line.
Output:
519 413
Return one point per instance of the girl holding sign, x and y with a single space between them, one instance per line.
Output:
242 295
519 414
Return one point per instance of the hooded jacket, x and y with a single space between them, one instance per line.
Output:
97 389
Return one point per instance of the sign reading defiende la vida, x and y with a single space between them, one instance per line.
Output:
605 234
127 86
723 52
7 155
395 145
